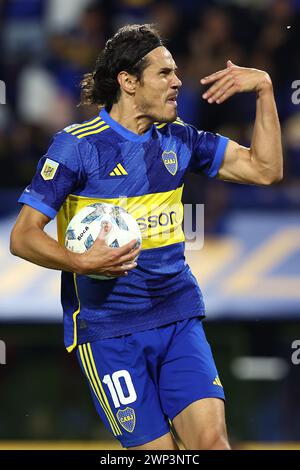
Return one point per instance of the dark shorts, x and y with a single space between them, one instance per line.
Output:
141 381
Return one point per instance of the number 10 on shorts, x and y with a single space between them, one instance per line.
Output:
116 390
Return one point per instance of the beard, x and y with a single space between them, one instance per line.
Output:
157 115
169 118
163 117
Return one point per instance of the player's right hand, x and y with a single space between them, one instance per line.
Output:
107 261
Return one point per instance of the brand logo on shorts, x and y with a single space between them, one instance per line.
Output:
217 381
127 419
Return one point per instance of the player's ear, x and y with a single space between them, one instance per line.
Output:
127 82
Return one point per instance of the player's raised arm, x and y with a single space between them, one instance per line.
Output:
29 241
262 163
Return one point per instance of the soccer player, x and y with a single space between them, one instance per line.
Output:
139 337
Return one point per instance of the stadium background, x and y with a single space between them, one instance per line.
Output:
249 269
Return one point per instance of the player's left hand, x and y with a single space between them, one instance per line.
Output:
234 79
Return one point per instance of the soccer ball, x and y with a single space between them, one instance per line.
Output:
86 225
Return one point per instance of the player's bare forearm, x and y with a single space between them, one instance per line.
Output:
38 247
29 241
266 148
262 163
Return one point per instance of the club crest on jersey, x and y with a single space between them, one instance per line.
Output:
170 160
49 169
127 418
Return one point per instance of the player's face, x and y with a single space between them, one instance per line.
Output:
156 94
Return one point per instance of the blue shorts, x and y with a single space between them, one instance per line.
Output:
141 381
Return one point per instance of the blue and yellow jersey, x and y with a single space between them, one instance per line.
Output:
101 161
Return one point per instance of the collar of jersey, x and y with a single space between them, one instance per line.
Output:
129 135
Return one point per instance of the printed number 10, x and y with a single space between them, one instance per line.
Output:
115 388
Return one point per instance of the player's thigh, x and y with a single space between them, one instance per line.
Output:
166 442
190 389
188 373
202 425
124 393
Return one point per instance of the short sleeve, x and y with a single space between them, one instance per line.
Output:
208 151
58 174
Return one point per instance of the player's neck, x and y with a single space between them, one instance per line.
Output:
130 118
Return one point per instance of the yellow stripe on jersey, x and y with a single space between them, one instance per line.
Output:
74 316
179 122
88 363
159 215
97 131
88 128
73 128
159 126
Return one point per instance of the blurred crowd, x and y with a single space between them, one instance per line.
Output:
47 45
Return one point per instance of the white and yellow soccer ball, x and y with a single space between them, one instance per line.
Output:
85 227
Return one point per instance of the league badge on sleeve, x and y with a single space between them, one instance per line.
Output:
49 169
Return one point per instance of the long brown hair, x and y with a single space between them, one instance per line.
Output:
124 51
